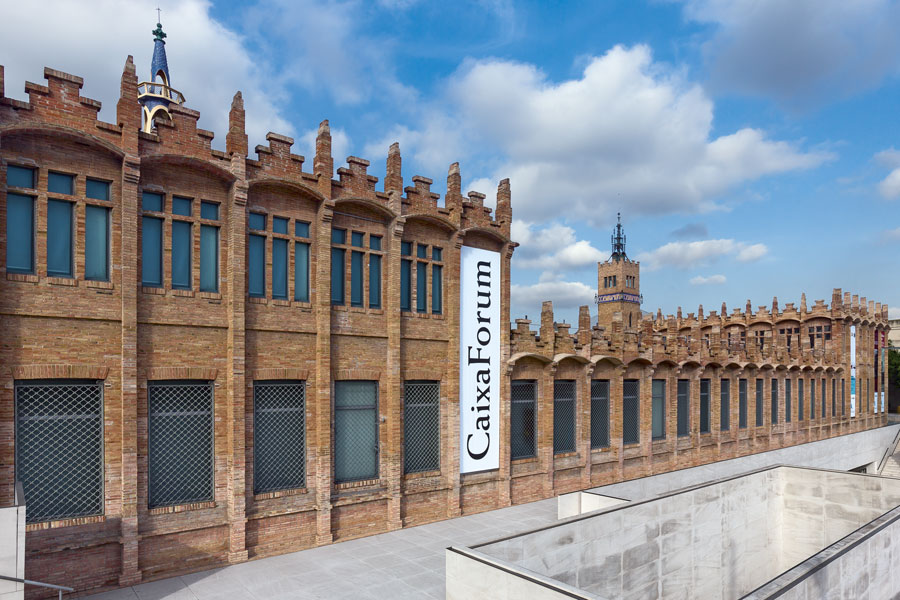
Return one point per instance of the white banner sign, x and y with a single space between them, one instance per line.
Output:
479 360
853 370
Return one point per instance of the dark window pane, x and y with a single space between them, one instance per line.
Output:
631 412
421 251
658 408
279 225
787 400
375 242
22 177
182 206
355 430
374 281
256 266
356 239
812 398
257 221
96 243
209 210
843 397
833 397
684 407
523 419
356 278
421 426
563 416
405 248
19 233
704 406
800 400
824 393
59 238
151 251
759 402
280 269
337 276
405 287
774 414
301 229
60 183
301 272
151 201
181 255
98 190
600 413
742 403
725 405
209 258
338 236
437 254
421 287
436 289
279 436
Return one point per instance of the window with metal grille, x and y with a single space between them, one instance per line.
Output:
658 409
725 404
523 419
800 399
59 448
421 426
563 416
631 412
180 442
684 407
599 413
812 398
704 406
279 436
355 430
759 402
787 400
774 398
742 403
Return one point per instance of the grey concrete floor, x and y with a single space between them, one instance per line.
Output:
398 565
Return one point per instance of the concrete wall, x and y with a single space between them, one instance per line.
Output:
576 503
12 550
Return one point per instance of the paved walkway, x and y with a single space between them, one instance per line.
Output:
398 565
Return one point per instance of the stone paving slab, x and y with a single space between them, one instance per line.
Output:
400 565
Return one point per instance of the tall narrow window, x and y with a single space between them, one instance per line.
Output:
356 278
209 248
437 282
59 238
151 240
301 262
812 398
631 411
279 268
725 404
824 393
19 233
599 413
800 399
787 400
742 403
421 279
563 416
684 407
843 397
704 406
759 402
355 430
180 442
256 256
523 419
374 272
59 448
658 409
279 436
774 414
421 426
833 397
96 243
181 255
405 277
338 268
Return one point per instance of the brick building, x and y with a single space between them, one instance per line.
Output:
208 357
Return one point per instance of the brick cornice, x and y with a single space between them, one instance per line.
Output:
362 374
425 373
59 372
161 373
279 373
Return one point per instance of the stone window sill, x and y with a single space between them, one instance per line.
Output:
210 295
158 291
281 494
24 277
177 508
67 281
64 523
100 285
183 293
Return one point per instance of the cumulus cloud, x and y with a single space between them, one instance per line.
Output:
564 294
686 255
803 52
628 133
552 247
889 187
714 279
208 62
690 230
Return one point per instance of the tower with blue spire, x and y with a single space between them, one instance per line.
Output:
157 95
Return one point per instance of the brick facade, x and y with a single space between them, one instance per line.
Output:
126 335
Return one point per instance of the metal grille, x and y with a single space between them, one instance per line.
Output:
759 402
658 408
279 436
725 404
523 417
563 416
812 398
684 407
787 400
800 400
742 403
421 426
600 413
180 443
59 448
631 419
774 399
355 430
704 406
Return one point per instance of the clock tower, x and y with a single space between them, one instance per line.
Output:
619 284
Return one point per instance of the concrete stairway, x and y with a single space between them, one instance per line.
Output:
892 466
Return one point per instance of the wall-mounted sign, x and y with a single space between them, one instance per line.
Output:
479 360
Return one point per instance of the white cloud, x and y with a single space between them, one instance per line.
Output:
685 255
800 52
712 279
889 187
553 247
208 62
564 294
894 312
891 235
629 133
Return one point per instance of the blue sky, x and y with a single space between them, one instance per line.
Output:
749 144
